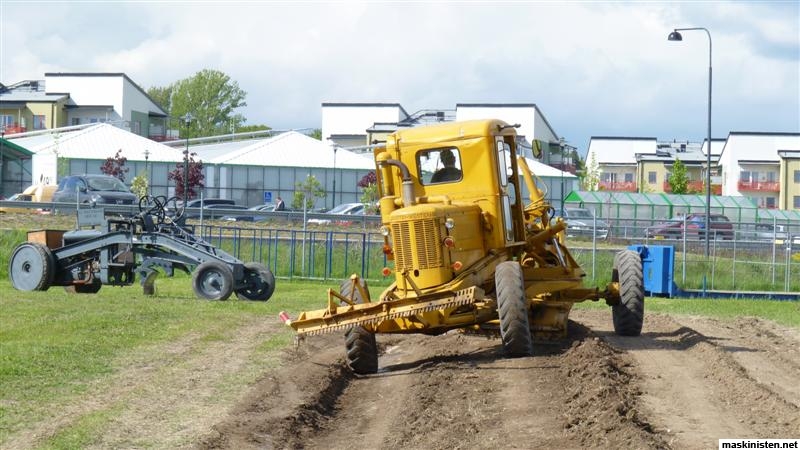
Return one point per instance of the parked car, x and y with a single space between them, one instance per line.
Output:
94 189
345 209
581 222
250 217
721 227
192 206
17 198
214 212
765 232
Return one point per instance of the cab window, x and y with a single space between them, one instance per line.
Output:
441 165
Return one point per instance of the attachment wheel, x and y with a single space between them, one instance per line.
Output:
31 267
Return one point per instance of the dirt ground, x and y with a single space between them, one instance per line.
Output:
685 383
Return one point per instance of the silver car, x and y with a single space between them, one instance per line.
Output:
581 222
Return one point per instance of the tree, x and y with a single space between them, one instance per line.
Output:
115 166
678 179
369 191
316 134
251 128
196 177
210 96
591 179
306 193
139 185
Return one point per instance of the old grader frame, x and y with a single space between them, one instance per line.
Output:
468 254
115 251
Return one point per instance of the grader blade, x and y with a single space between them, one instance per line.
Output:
370 315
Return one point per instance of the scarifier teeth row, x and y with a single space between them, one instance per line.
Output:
373 320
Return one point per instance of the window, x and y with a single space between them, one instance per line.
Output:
93 120
76 120
797 176
439 165
797 202
136 127
629 178
772 177
6 121
651 177
38 122
744 175
770 202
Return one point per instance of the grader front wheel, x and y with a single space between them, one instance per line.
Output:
361 345
512 307
628 314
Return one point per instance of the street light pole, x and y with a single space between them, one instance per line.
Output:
676 36
187 119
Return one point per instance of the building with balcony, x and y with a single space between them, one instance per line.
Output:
68 99
752 165
655 169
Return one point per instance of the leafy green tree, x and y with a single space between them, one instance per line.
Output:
591 179
162 96
250 128
316 134
210 96
678 180
306 193
139 185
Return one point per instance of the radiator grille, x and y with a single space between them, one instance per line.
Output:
426 248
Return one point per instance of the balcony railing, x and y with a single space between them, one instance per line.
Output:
620 186
696 187
769 186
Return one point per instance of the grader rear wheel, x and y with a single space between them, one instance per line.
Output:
31 267
212 280
361 345
512 307
628 314
261 283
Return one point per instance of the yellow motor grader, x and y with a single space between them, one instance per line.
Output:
467 253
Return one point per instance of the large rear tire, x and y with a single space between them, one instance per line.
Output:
31 267
360 344
213 280
261 283
512 307
628 314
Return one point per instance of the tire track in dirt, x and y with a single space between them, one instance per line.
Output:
166 394
450 392
697 388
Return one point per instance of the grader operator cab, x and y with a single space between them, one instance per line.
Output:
468 253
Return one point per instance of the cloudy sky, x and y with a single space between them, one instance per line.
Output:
593 68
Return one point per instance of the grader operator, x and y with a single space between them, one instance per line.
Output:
467 253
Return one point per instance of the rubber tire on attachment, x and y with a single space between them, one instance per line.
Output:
262 283
90 288
31 267
212 280
628 315
360 344
512 308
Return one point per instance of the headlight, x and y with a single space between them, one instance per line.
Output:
385 230
449 223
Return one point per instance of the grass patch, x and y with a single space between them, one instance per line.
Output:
782 312
55 346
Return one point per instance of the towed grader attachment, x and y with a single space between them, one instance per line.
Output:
115 251
467 253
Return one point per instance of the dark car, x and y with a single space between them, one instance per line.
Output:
581 222
94 189
193 206
721 227
252 216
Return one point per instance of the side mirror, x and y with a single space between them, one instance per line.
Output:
537 149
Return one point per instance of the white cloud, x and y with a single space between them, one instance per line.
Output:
593 68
